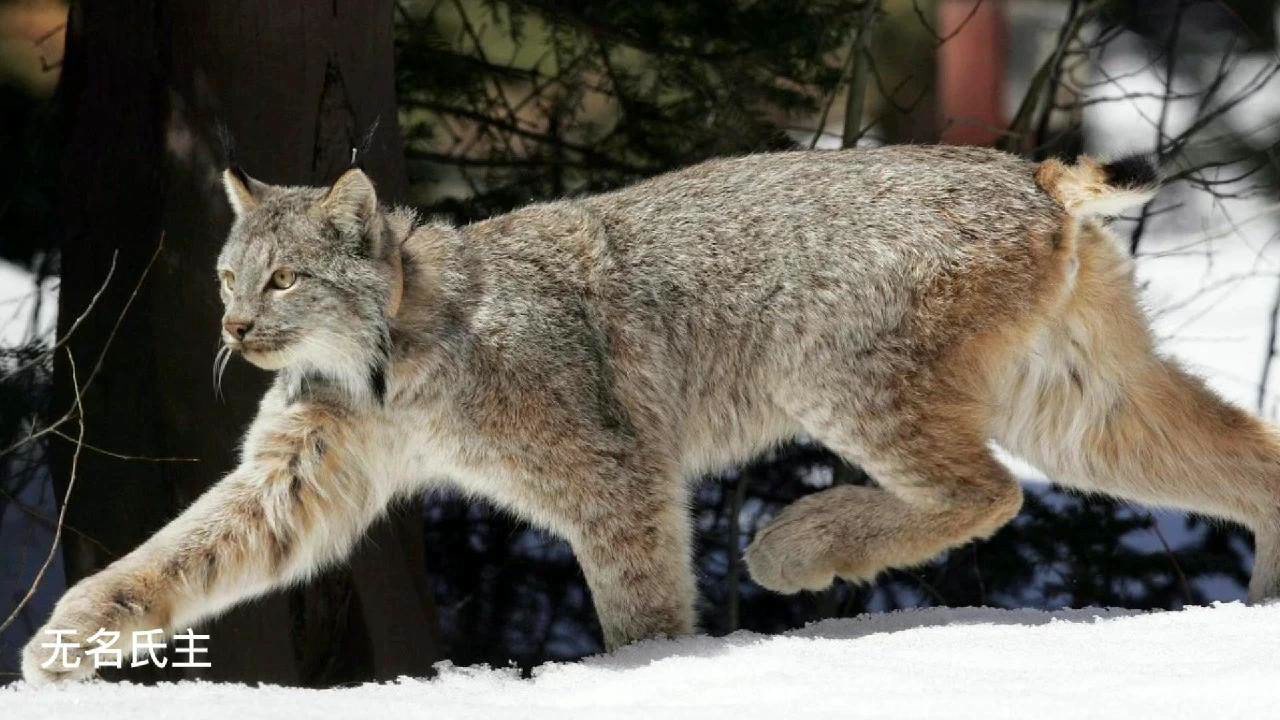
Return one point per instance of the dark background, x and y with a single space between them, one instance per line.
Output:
116 117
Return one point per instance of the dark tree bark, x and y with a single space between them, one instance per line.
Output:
146 86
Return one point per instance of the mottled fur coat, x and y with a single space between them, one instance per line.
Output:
581 362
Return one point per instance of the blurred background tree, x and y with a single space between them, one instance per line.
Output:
149 94
501 103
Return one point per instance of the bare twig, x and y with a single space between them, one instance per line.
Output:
1018 134
1170 69
35 514
62 512
1268 361
857 92
734 574
1173 560
51 427
75 324
942 39
122 456
831 98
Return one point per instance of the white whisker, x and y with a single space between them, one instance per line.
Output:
219 367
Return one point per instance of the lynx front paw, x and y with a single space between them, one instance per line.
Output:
44 663
64 649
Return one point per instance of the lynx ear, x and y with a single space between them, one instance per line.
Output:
243 192
351 202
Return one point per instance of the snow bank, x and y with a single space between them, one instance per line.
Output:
1215 662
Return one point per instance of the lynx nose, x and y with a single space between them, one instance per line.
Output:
238 328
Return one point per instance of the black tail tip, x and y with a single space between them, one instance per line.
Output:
1133 171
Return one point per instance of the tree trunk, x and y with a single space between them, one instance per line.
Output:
146 87
971 71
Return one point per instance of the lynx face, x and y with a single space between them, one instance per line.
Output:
304 282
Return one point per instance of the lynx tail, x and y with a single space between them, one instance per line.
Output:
1091 187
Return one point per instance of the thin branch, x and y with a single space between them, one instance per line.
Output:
122 456
1173 560
50 428
890 95
1170 67
939 40
857 92
35 514
62 512
596 27
734 572
1055 83
584 150
1271 350
74 325
831 99
1018 132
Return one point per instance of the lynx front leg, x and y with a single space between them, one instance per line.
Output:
636 558
292 505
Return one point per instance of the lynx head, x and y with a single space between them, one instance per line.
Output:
309 279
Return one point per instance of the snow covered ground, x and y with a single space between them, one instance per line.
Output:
1204 662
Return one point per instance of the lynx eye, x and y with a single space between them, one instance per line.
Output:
283 279
228 279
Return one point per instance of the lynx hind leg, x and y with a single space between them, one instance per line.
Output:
1167 441
1096 408
939 489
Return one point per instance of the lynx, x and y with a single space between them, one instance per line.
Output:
580 363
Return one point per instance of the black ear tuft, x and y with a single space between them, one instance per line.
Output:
228 143
239 173
1133 171
359 152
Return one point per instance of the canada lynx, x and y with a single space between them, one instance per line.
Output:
581 362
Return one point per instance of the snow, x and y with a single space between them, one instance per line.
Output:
18 296
1195 663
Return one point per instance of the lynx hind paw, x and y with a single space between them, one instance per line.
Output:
786 557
